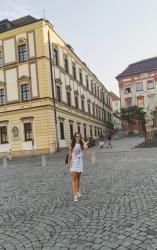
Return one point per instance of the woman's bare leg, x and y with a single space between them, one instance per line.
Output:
74 182
78 180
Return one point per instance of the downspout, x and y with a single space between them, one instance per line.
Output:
52 85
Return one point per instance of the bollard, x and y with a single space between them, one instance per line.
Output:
4 162
93 158
43 160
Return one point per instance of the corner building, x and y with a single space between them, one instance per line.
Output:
46 92
138 86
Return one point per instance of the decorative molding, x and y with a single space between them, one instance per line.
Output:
68 87
58 81
71 121
61 119
23 78
88 100
27 118
76 92
2 83
5 121
21 40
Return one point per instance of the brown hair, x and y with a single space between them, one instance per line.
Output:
74 141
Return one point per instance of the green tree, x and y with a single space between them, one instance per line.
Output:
132 114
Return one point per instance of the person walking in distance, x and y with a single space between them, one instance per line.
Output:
101 138
109 140
75 162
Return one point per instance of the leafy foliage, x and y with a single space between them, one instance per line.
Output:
131 114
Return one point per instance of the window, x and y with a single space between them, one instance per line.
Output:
82 104
105 115
99 113
98 92
91 132
1 58
93 111
3 135
151 101
103 99
92 86
2 97
66 64
127 89
55 54
78 129
74 71
140 101
139 86
95 132
28 131
96 112
128 102
58 93
85 133
25 92
95 89
98 132
87 82
80 75
68 98
76 102
150 84
108 117
62 130
22 53
89 108
71 130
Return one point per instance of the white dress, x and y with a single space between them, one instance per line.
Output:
76 160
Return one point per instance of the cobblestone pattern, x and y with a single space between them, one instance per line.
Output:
118 209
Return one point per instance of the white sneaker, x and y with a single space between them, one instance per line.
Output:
79 194
75 198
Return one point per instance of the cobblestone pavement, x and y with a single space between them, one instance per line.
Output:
118 209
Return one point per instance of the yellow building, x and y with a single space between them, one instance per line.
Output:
46 92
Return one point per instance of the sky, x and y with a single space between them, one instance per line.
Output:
107 35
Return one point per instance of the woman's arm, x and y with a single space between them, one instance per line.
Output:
69 156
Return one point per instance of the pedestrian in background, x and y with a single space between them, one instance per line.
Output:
101 138
109 140
75 162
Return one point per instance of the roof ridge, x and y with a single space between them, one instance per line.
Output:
144 60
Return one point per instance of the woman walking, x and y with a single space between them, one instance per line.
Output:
75 162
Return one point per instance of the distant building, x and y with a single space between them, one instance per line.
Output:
47 93
138 86
117 122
